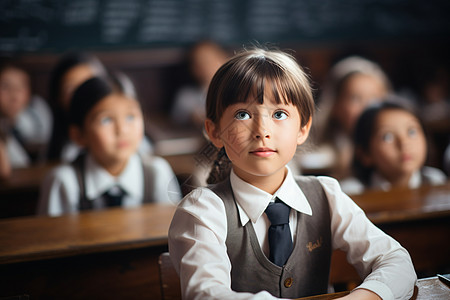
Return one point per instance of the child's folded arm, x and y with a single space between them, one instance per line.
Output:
381 261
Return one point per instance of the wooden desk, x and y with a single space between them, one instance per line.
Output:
419 219
20 192
426 289
114 253
399 205
93 255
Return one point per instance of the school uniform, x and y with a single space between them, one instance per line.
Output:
63 191
35 122
28 136
198 241
188 100
17 155
426 175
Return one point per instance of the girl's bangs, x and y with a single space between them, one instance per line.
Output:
264 78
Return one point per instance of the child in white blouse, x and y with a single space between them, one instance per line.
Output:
259 109
25 119
106 120
391 149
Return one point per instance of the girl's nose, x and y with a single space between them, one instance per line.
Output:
261 130
121 127
263 134
403 142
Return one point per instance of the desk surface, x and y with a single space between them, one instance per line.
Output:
399 205
23 178
426 289
35 238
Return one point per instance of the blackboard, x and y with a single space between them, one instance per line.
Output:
58 25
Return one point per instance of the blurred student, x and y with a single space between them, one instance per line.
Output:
260 232
204 58
5 164
432 90
25 119
446 159
353 83
391 149
71 70
107 123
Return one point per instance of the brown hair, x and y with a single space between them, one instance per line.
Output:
248 72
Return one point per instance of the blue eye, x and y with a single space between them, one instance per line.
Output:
388 137
280 115
105 120
412 132
242 115
130 118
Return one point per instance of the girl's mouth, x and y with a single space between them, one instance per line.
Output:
263 152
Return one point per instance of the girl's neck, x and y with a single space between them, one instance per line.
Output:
270 183
400 181
114 168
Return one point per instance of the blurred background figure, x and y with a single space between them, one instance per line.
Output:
351 85
106 122
391 149
432 90
204 58
71 70
25 119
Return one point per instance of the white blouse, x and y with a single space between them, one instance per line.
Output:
60 191
199 229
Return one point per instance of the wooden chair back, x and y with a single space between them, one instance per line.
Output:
170 282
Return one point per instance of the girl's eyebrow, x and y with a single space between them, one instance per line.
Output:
96 114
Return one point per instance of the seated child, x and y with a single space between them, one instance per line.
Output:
25 119
262 233
391 149
204 58
108 124
5 165
352 84
71 70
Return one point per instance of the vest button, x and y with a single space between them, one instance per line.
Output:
288 282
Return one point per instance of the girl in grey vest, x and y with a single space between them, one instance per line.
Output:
225 240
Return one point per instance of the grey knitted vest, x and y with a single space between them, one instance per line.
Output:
306 272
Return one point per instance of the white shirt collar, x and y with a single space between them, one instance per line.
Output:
379 182
253 201
98 180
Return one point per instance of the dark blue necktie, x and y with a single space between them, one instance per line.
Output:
114 196
280 240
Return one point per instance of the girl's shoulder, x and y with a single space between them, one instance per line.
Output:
154 162
62 171
433 175
63 175
200 194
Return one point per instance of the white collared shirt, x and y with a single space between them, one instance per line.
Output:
199 229
18 157
433 175
60 192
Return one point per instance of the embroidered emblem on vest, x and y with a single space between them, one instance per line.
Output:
317 244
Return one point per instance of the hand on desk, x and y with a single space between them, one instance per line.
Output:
361 294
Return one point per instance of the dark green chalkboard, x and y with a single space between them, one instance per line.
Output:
58 25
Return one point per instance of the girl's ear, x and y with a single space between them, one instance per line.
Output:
77 136
303 133
213 133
